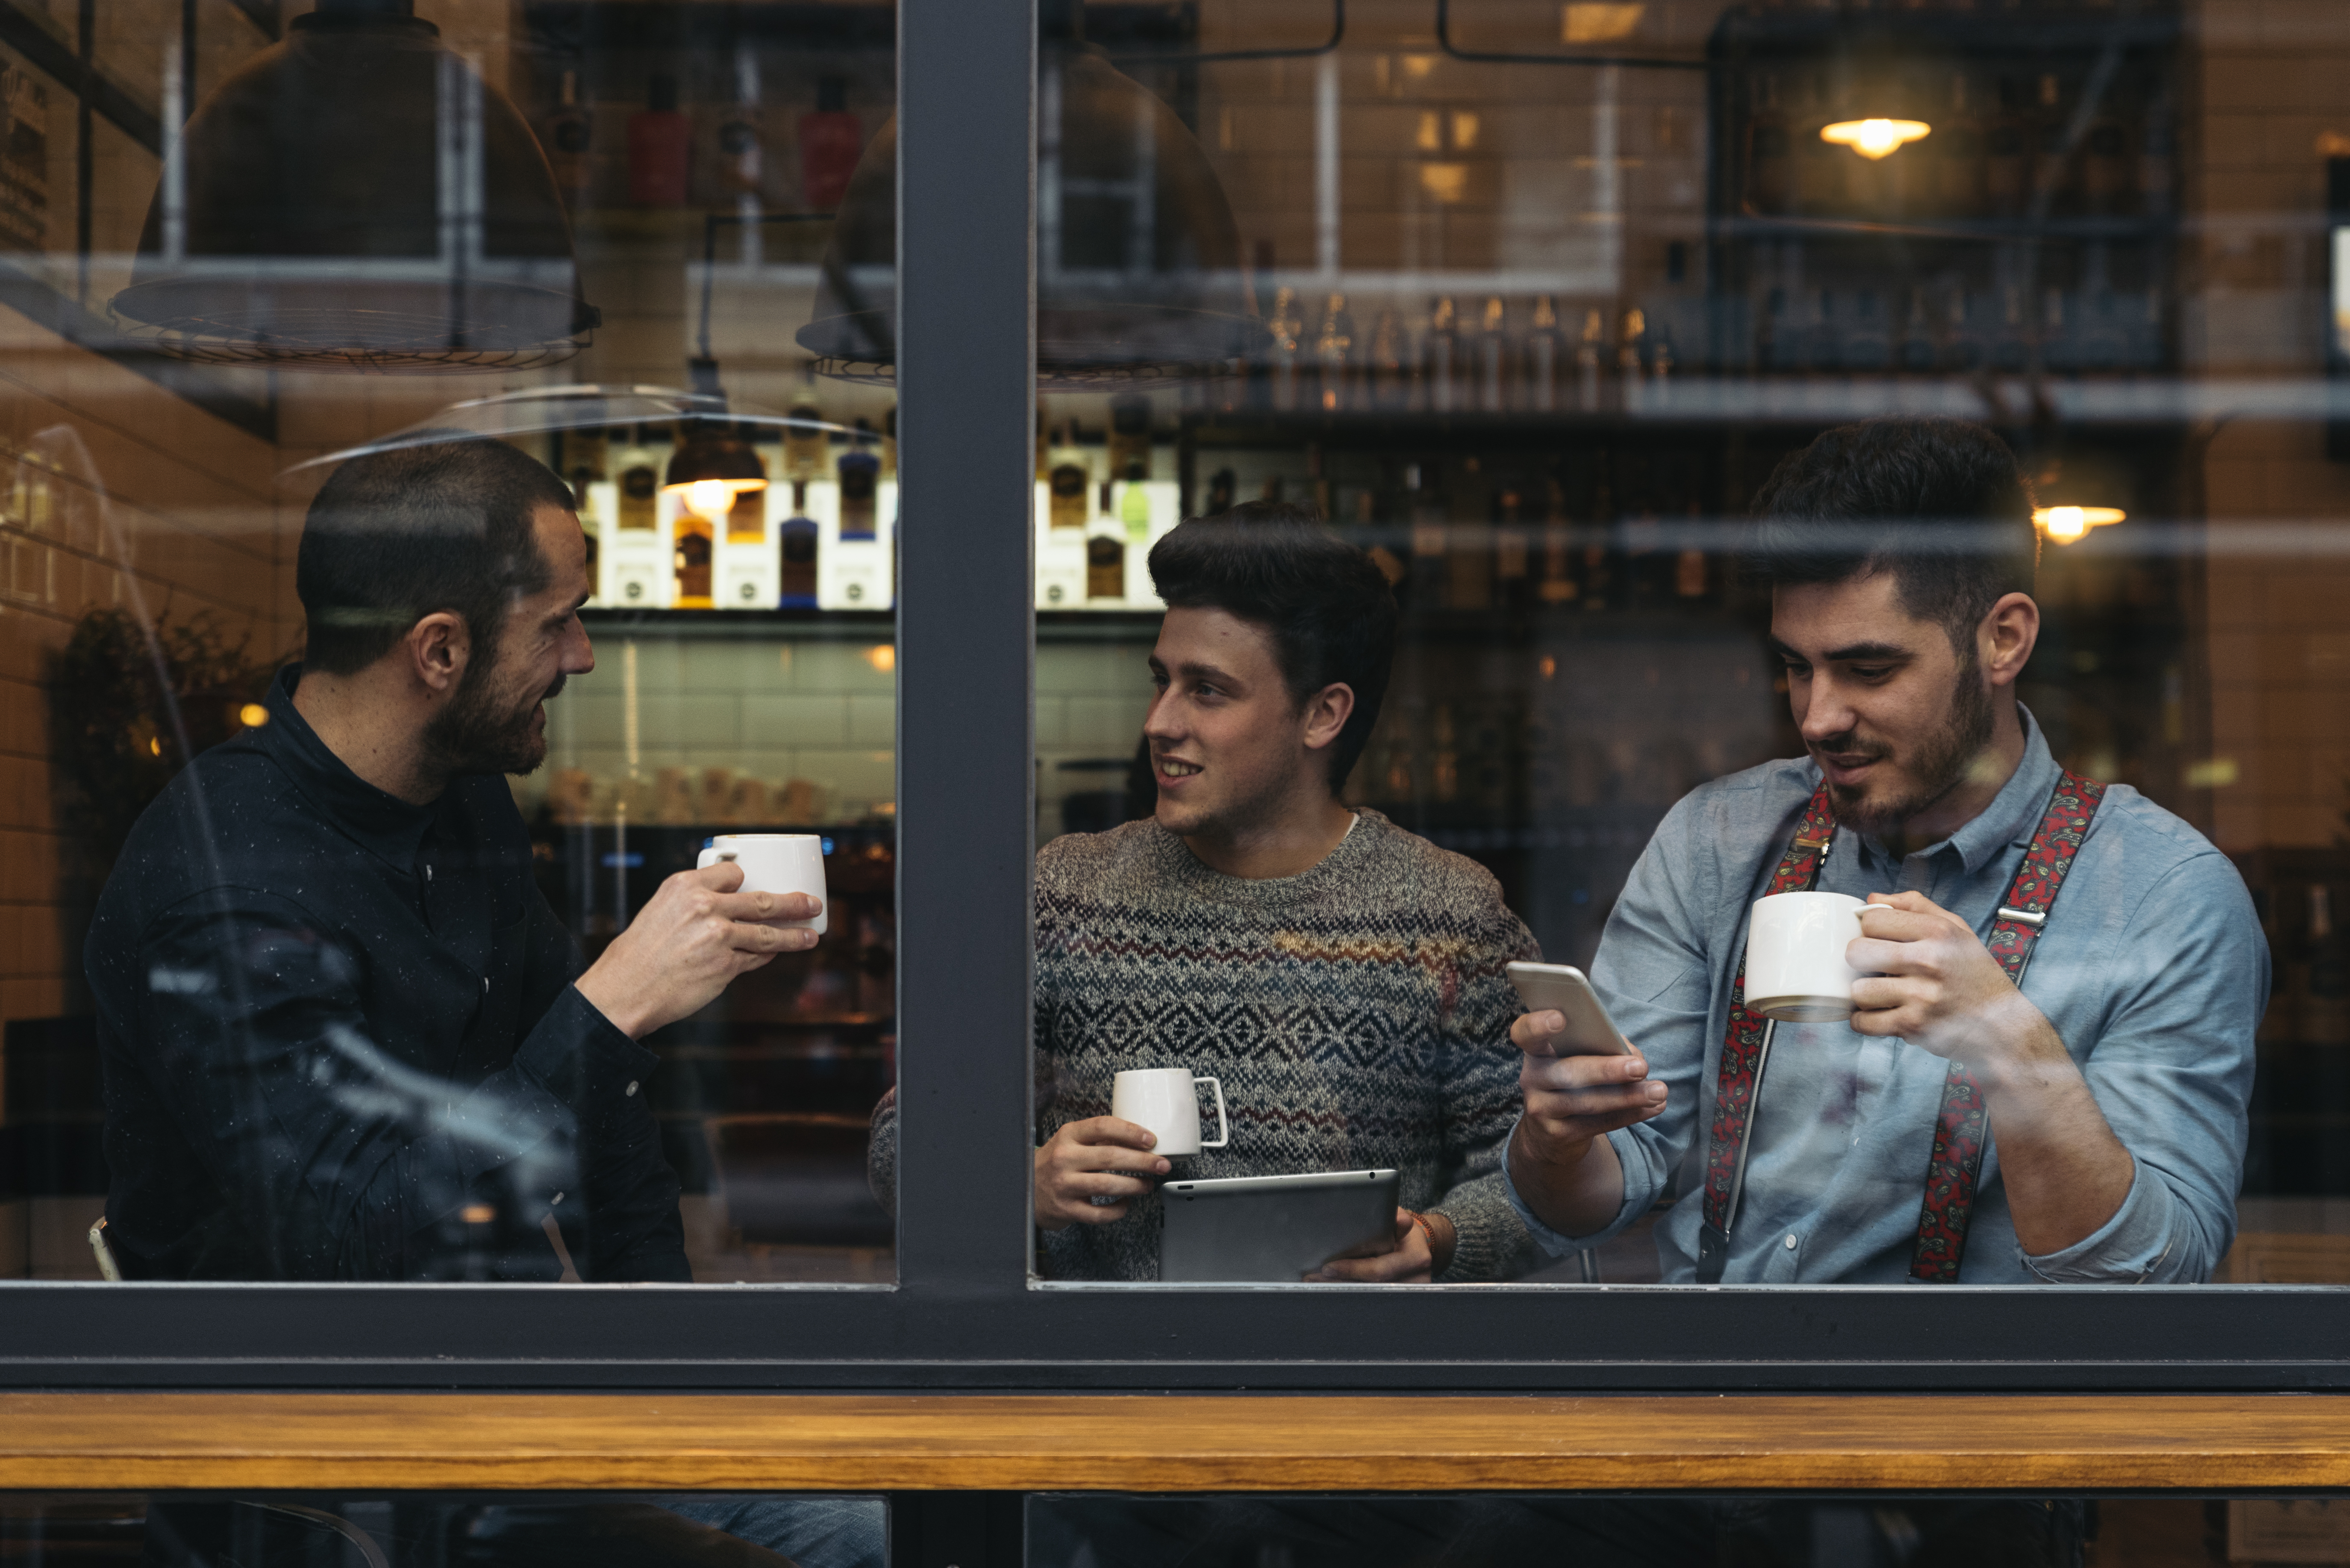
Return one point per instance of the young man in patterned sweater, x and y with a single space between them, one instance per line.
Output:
1342 977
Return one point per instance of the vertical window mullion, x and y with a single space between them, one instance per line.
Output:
966 386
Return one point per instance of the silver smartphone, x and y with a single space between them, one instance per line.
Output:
1561 988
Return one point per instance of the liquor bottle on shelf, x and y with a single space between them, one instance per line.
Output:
1962 345
1867 346
1958 152
1557 584
746 550
566 136
808 451
1390 376
1069 478
2007 151
1692 577
859 473
1631 341
1770 177
1493 359
1134 503
857 551
1545 354
1287 331
1469 569
1662 362
660 148
1224 490
1105 567
829 143
2010 351
1130 434
1588 353
1916 353
1445 773
1441 360
2060 333
1430 535
740 167
640 574
2157 141
1603 580
1334 356
2107 172
797 555
1511 552
692 544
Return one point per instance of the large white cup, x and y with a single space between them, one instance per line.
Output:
1795 970
1164 1099
776 862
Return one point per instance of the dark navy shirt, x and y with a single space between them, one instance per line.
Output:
341 1042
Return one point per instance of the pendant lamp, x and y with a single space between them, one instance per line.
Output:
1138 275
357 197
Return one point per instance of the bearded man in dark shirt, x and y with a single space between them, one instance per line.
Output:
344 1037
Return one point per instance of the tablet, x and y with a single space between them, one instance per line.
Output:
1270 1229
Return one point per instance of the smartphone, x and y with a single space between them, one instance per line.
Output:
1562 989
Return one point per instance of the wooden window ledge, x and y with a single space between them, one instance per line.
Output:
756 1443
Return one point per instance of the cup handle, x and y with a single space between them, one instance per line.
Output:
711 856
1224 1122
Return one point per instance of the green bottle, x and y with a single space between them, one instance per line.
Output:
1134 506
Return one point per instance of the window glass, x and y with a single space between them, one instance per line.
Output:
466 429
386 1530
1732 450
1885 1531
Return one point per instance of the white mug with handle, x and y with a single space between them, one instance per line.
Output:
1166 1100
775 863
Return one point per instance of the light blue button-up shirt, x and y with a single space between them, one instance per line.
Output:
2152 967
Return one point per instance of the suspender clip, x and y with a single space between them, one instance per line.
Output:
2035 918
1802 843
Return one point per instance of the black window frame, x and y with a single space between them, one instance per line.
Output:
965 1313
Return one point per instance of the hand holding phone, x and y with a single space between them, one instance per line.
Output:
1563 989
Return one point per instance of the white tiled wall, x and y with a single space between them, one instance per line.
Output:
823 711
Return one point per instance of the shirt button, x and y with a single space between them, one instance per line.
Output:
1791 1241
633 1089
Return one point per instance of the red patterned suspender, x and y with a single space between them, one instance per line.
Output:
1958 1131
1959 1128
1745 1049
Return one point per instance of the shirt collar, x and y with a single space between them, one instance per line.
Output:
383 823
2013 813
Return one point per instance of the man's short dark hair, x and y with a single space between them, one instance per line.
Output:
1937 502
1326 604
398 535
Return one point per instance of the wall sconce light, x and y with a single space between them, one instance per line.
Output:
1875 138
2071 524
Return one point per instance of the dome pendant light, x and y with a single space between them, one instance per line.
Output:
1158 294
357 197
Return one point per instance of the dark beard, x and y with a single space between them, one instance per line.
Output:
1942 766
481 733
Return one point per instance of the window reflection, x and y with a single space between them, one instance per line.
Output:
585 237
389 1532
1545 304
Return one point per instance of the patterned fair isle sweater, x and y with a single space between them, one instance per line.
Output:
1358 1014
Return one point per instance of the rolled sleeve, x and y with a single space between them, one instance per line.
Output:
1557 1244
2130 1249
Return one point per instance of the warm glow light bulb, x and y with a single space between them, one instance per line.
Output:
709 497
1875 138
2069 524
253 715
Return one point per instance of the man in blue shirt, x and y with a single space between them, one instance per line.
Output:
1900 554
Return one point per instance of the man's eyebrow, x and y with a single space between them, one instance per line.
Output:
1195 670
1855 652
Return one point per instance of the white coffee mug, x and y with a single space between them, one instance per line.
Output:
776 862
1165 1100
1795 969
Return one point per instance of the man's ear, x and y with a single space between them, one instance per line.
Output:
438 649
1327 713
2004 641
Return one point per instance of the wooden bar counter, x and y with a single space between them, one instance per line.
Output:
754 1442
